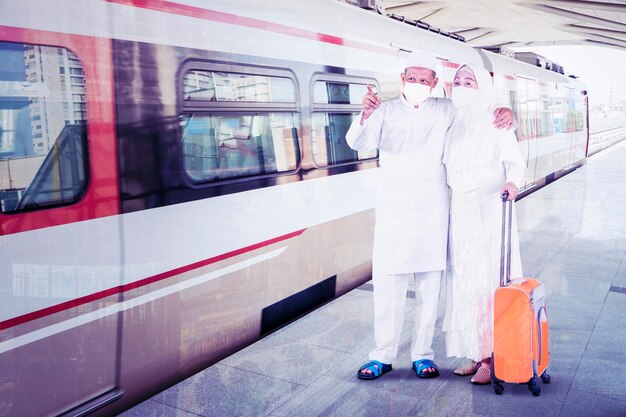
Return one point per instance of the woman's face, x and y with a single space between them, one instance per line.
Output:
465 78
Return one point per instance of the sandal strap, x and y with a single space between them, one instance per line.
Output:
423 364
374 366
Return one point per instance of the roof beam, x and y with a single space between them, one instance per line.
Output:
602 38
604 44
555 43
594 30
468 31
409 7
477 41
431 14
575 15
584 4
606 40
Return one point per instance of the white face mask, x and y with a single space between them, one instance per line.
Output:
416 93
464 97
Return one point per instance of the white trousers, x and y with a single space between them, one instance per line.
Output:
390 293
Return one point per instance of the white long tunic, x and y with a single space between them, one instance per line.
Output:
412 196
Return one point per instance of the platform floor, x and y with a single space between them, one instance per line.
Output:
573 235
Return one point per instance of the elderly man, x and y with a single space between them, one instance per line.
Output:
411 232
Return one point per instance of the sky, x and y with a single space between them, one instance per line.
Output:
600 68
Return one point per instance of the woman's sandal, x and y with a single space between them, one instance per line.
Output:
421 366
377 368
482 377
469 369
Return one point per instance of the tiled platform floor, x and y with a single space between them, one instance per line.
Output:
573 236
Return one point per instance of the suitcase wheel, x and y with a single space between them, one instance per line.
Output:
498 387
533 387
545 378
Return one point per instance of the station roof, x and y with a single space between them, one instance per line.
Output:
519 23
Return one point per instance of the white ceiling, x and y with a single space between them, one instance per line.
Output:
519 23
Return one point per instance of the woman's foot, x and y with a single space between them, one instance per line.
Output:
482 377
469 369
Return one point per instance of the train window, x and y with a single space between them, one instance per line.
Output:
545 118
571 110
221 147
336 102
580 115
238 122
531 91
237 87
558 115
327 92
328 132
527 107
43 153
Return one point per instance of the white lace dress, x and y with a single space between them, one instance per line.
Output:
474 243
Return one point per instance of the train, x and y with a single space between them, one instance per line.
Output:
175 182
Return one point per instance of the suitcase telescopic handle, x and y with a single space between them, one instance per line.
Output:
507 215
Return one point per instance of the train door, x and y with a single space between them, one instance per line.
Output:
577 110
571 124
527 133
585 123
60 258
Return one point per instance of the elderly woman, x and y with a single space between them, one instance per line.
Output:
482 162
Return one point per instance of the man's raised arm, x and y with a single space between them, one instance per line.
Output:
364 133
370 102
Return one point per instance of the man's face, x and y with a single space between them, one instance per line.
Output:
419 75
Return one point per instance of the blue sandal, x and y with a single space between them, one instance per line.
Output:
376 367
421 365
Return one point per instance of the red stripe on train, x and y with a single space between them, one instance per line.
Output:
25 318
449 64
222 17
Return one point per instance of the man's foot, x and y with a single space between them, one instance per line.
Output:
482 377
469 369
373 370
425 368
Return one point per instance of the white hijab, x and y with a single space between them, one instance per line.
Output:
472 140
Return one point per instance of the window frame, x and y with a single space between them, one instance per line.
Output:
338 108
232 106
85 140
203 107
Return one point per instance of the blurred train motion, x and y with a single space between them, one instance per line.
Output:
175 184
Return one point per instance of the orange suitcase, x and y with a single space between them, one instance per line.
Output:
520 332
